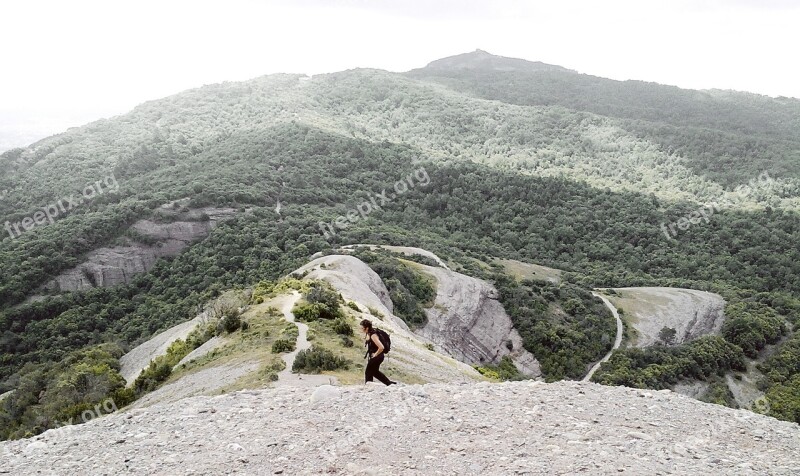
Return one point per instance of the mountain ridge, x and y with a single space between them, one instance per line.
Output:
558 428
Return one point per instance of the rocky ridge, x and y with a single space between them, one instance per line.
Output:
468 322
469 428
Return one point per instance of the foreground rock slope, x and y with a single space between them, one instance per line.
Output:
470 428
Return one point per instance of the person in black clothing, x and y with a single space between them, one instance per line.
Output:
375 352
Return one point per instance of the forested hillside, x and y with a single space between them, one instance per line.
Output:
726 136
579 184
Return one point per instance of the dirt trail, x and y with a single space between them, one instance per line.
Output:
286 377
617 341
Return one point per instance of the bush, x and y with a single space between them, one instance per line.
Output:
506 370
784 400
346 341
320 292
318 359
230 321
157 372
341 327
353 306
310 312
282 345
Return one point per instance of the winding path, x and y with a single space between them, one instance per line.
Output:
617 342
286 377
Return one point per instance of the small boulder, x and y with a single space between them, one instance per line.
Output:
325 392
35 446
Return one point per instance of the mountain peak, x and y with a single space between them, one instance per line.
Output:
483 60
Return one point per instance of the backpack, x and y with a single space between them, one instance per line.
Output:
383 336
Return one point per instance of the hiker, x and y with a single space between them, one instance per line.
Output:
376 351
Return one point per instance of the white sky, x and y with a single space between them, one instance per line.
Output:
67 62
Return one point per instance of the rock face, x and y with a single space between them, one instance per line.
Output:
354 278
357 282
132 363
468 322
690 312
469 429
117 265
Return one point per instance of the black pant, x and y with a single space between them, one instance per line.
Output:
373 370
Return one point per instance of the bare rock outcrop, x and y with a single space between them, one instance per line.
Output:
359 283
353 278
132 363
468 322
690 312
112 266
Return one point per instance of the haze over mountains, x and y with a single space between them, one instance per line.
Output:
543 182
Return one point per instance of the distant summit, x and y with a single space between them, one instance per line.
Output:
484 60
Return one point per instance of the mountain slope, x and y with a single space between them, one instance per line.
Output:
560 428
729 137
577 190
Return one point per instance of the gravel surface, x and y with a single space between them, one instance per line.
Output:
469 428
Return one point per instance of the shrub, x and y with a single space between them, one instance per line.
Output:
661 367
346 341
353 306
342 327
282 345
318 359
320 292
310 312
505 370
667 335
230 321
488 372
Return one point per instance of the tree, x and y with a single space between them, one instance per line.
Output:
667 335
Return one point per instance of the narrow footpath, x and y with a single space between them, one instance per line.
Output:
617 342
286 377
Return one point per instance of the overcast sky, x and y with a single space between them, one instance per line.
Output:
65 63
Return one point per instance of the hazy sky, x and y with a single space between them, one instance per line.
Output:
67 62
